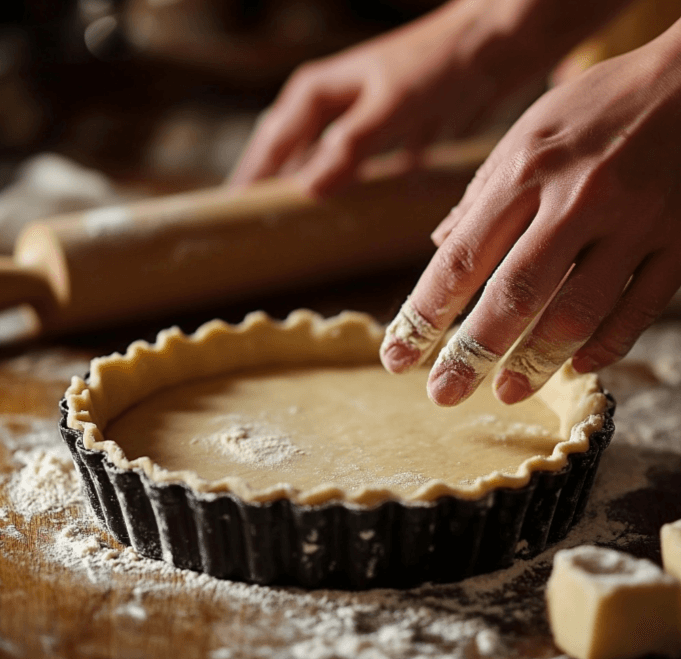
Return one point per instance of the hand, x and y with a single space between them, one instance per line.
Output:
587 182
399 89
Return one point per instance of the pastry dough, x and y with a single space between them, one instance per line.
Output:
302 409
670 541
605 604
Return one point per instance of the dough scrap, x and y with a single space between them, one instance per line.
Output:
670 541
605 604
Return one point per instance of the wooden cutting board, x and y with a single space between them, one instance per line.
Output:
68 590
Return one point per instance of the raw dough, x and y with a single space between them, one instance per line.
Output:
670 540
303 409
354 426
604 604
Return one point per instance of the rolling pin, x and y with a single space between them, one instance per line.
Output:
115 264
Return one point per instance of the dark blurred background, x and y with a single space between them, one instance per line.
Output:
160 93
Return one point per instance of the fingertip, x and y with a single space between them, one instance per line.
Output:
398 357
444 228
511 387
440 235
320 181
445 387
309 185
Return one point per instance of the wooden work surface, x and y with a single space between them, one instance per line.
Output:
69 590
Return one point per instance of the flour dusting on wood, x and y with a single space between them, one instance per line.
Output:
485 616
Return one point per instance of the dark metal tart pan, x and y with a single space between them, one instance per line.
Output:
336 544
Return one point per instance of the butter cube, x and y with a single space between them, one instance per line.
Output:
670 539
604 604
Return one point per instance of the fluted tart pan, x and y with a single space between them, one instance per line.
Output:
327 535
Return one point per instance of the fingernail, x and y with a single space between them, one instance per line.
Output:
584 364
438 236
511 387
441 232
397 357
446 388
306 184
408 340
460 367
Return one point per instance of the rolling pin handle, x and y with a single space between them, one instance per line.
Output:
22 286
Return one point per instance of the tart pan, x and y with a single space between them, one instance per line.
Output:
335 544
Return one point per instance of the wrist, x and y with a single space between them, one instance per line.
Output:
525 39
667 47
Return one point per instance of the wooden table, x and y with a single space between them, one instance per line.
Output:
69 590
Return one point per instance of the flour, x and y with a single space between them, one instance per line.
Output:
251 443
48 365
10 648
358 479
505 430
539 360
132 610
466 358
414 331
456 621
49 184
11 531
46 480
484 616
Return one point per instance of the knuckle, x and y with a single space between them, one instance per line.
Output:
576 318
635 318
609 349
611 346
349 141
459 263
537 158
517 296
524 168
344 142
594 182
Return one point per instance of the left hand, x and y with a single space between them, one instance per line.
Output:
588 181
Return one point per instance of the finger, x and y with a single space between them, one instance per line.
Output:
362 131
421 137
473 190
456 271
578 308
512 298
409 339
652 287
297 119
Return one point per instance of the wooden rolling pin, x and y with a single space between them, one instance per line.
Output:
110 265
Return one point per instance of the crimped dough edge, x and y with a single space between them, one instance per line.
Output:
117 382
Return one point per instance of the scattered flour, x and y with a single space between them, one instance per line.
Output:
132 610
48 365
413 330
46 479
11 531
484 616
455 621
251 443
110 220
357 480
